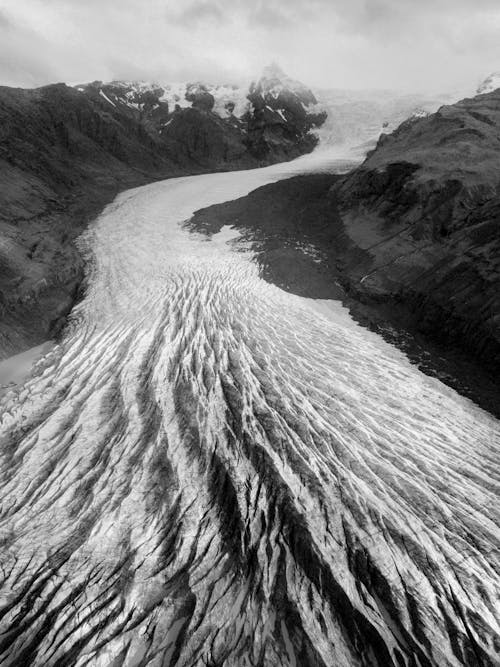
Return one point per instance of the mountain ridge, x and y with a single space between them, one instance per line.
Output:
67 151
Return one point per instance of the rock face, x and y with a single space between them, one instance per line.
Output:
141 102
283 113
200 98
426 207
414 232
65 152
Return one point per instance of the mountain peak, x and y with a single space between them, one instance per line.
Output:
276 90
274 78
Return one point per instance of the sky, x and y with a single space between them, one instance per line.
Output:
407 45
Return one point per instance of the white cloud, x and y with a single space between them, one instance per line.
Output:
408 44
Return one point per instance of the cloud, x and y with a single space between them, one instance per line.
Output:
405 44
197 13
269 18
20 61
4 22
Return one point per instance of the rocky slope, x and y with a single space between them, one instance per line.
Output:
414 232
65 152
425 206
282 114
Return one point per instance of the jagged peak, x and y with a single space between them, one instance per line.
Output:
275 85
228 100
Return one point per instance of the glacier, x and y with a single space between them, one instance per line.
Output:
208 470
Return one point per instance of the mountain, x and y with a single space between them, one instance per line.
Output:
425 206
224 100
66 151
282 109
272 121
412 235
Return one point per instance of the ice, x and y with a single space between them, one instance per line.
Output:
103 95
490 84
210 459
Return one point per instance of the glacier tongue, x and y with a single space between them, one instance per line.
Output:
211 471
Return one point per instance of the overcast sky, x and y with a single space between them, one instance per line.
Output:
427 45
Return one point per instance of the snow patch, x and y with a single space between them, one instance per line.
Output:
490 84
103 94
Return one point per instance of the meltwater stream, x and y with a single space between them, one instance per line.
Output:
211 471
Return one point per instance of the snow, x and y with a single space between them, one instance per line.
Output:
175 93
490 84
15 370
138 86
224 94
275 91
420 113
273 82
357 118
278 111
103 94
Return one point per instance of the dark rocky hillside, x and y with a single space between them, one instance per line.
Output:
425 206
282 115
65 152
413 234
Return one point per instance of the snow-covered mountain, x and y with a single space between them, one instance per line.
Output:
274 100
273 115
280 99
276 103
274 89
491 83
274 85
229 99
224 100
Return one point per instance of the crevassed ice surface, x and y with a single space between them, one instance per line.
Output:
211 471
